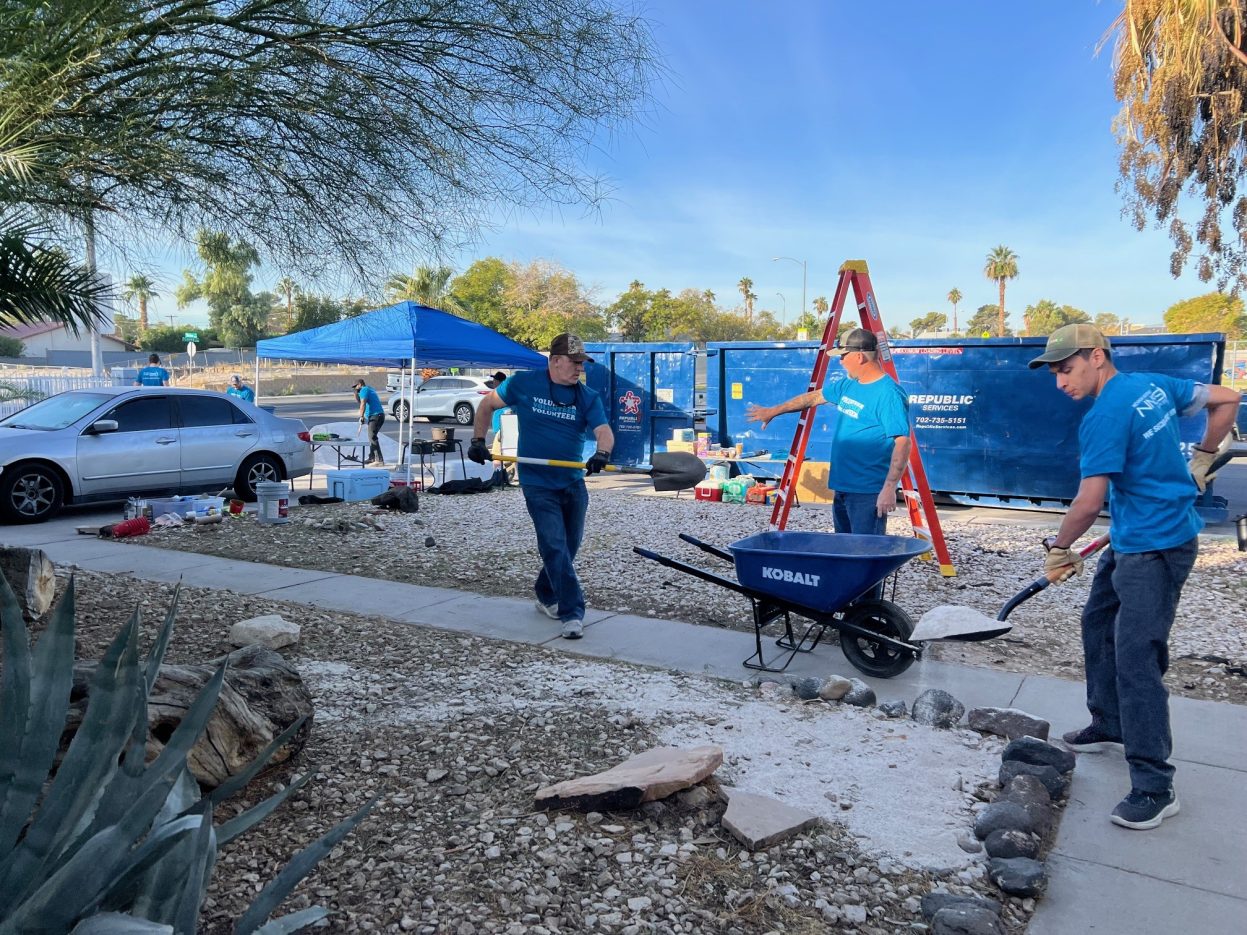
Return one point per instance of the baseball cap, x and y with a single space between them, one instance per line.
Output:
357 384
859 339
569 345
495 379
235 379
1068 341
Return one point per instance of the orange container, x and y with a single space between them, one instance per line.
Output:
757 493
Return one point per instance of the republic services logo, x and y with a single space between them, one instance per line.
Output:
630 404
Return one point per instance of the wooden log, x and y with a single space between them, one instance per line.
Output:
263 695
32 577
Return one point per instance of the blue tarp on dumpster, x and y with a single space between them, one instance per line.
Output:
988 427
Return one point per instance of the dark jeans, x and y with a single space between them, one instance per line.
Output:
855 513
559 519
1125 641
374 429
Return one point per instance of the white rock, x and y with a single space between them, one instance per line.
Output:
271 630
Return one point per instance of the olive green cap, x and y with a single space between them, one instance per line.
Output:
1068 341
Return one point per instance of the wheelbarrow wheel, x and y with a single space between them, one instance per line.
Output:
867 655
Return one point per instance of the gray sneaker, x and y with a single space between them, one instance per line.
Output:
1091 739
1143 811
550 610
573 629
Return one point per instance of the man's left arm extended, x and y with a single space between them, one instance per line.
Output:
886 501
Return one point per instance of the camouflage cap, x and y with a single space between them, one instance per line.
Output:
1068 341
569 345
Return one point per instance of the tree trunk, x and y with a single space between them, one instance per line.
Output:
1000 319
32 577
261 697
142 315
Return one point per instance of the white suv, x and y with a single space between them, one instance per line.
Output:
443 398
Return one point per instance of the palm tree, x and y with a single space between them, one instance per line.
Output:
745 286
139 288
428 285
954 296
1001 266
287 287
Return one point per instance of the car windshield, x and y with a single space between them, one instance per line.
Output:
55 412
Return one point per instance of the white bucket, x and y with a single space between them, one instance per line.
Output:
273 499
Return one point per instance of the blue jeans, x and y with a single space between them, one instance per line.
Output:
1125 641
855 513
559 519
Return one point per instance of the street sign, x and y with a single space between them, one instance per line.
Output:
191 349
191 336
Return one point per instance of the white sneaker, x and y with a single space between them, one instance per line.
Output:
550 610
573 629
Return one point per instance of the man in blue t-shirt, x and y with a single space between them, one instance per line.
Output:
870 441
373 413
153 374
556 412
240 390
1131 453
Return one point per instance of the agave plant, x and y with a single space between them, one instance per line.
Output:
111 843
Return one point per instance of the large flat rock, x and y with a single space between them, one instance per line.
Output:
654 774
758 821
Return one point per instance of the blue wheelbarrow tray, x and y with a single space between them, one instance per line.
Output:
823 571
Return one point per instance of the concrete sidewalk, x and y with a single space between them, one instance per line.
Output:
1186 875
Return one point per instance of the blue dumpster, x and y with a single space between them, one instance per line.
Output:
990 430
648 391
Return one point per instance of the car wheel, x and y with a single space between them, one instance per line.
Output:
400 410
463 413
256 470
30 493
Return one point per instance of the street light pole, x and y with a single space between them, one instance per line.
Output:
802 262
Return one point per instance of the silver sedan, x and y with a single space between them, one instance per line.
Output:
111 443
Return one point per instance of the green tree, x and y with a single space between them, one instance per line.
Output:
481 291
331 129
1108 323
166 339
985 321
287 289
1179 74
126 328
932 321
746 292
246 321
313 311
11 347
1001 266
139 289
629 311
1045 316
1208 313
428 285
954 296
226 279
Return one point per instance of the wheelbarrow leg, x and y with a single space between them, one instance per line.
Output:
763 614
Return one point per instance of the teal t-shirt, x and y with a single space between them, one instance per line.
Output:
245 393
1130 435
152 375
554 422
869 416
372 402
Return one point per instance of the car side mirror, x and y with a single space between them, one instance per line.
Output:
102 426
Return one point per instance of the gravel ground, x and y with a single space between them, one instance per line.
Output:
485 544
456 733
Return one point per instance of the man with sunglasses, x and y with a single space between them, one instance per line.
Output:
870 440
556 413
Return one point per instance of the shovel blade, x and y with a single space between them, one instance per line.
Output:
676 470
954 622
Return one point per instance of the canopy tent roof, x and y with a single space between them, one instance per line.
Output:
406 334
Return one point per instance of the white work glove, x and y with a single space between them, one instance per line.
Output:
1200 464
1067 561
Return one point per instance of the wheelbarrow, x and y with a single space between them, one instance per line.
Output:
829 579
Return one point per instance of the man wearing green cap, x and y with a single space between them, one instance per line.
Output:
1130 452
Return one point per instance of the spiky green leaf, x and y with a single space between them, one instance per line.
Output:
119 923
294 922
252 816
239 780
157 655
14 711
195 884
71 891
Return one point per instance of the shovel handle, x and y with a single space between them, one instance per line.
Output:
1050 577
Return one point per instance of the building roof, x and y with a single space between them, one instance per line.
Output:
21 332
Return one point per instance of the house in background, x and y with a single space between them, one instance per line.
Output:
44 340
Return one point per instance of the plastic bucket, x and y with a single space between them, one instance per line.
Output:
273 499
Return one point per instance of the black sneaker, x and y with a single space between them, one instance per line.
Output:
1091 739
1143 811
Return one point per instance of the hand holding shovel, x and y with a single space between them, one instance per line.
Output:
670 470
954 622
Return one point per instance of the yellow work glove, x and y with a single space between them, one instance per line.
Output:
1200 464
1067 561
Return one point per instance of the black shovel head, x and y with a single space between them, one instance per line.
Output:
676 470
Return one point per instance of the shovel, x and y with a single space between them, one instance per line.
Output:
954 622
671 470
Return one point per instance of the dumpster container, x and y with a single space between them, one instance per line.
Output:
648 390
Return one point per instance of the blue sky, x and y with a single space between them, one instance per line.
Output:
914 135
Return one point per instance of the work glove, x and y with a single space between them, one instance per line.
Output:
477 451
1200 464
1067 561
362 420
597 462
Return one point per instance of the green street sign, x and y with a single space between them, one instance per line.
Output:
191 336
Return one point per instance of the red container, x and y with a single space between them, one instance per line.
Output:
704 492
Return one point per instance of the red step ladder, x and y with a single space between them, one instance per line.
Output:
917 492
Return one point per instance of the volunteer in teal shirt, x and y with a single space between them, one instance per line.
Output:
373 413
240 390
870 440
1131 453
153 374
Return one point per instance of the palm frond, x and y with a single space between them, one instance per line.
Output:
41 283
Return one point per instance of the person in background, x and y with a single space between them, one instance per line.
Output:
1130 453
556 411
870 442
153 374
372 413
240 389
495 424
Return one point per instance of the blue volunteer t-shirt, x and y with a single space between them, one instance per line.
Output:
1130 435
152 375
554 422
868 417
372 402
245 393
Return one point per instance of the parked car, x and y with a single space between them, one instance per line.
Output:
111 443
441 398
